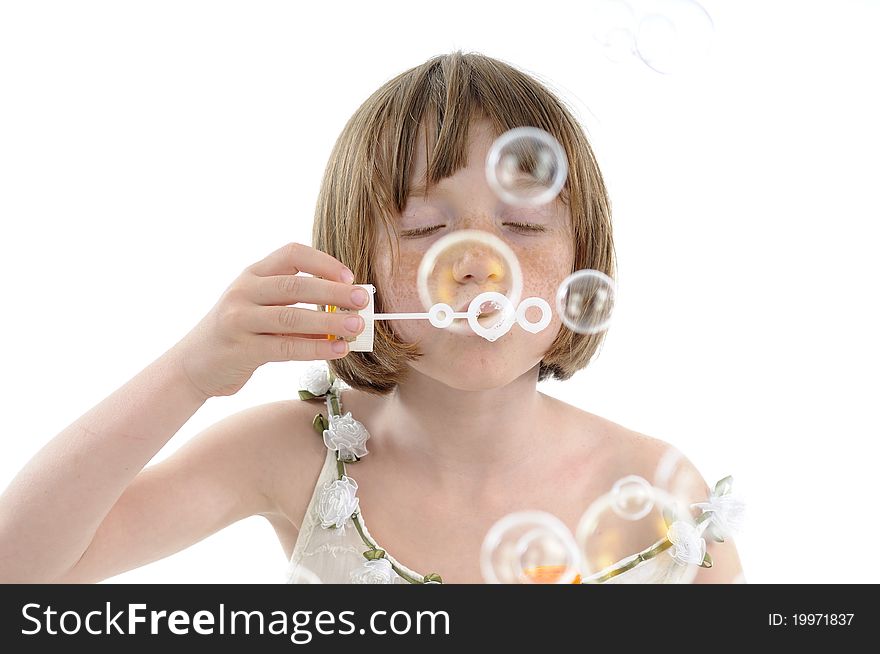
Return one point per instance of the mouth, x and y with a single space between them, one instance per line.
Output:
489 313
487 308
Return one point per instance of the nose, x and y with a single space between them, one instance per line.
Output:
466 263
479 265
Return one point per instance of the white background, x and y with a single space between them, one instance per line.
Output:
150 151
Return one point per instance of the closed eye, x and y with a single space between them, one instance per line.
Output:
425 231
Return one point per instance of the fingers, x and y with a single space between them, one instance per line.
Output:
299 321
290 348
293 289
257 309
294 258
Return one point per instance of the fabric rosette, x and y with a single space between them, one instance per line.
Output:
688 546
724 511
376 571
317 381
338 502
347 437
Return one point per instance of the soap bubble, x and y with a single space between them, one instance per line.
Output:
613 26
678 35
529 547
526 166
654 525
488 303
585 301
633 499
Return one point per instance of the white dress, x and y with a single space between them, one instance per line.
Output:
335 554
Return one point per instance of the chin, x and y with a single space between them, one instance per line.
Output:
475 373
472 383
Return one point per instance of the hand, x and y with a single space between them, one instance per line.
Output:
251 325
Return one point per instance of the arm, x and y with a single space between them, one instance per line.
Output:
83 509
219 477
52 508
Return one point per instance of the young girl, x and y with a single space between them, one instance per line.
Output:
447 433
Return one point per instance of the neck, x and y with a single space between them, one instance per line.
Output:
466 437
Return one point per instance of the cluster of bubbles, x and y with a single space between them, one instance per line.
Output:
634 522
669 36
526 167
615 540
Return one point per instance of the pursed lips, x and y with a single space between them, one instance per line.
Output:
487 307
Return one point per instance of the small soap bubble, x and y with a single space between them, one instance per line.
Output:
633 499
677 36
526 167
529 547
613 26
585 301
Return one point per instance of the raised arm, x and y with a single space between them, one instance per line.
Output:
84 507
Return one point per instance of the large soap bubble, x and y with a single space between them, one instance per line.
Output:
489 301
637 533
529 547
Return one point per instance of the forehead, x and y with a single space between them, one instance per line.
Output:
480 136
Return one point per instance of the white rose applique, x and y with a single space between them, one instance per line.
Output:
377 571
316 380
337 502
726 512
688 547
348 437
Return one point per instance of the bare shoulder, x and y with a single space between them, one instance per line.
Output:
620 450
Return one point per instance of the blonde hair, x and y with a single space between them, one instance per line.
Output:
368 174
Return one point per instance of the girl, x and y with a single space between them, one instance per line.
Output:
446 433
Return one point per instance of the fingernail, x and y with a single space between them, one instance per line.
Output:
352 323
359 297
339 346
347 276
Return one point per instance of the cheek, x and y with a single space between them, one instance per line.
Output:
398 292
544 267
